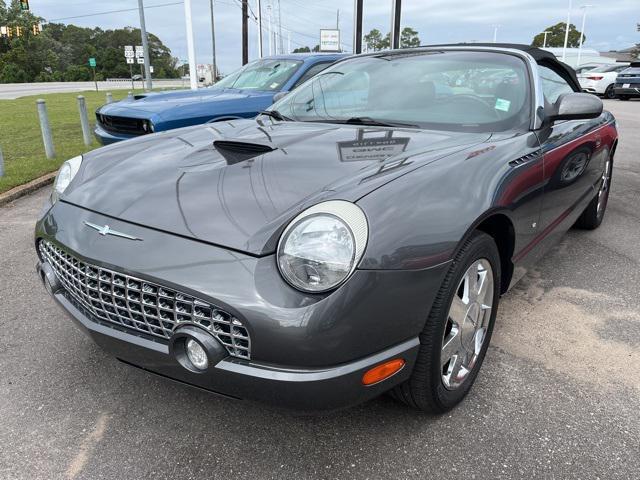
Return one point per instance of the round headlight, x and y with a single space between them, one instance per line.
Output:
65 175
322 246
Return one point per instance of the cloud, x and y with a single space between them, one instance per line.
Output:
610 26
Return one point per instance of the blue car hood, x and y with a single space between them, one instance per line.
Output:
162 103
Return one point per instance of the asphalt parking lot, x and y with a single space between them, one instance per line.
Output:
558 396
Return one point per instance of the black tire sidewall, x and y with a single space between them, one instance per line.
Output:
480 245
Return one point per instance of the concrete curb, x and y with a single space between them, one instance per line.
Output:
27 188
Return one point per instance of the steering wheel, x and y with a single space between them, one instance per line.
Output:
468 98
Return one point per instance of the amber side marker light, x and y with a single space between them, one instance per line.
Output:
382 371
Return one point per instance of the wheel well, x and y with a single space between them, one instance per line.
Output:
500 228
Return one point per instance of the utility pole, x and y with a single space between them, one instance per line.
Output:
193 72
245 33
259 29
145 45
269 29
584 19
357 26
396 11
544 42
566 33
213 45
288 41
280 39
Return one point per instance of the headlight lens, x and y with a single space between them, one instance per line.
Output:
322 246
65 175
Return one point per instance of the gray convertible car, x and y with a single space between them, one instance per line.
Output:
352 240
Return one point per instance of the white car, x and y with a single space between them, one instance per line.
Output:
600 80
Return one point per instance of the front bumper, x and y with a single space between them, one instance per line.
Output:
305 389
308 351
106 138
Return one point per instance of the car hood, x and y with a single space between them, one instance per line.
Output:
147 105
241 194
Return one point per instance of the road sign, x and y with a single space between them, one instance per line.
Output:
129 54
139 49
140 60
92 62
24 5
329 40
130 60
150 68
128 48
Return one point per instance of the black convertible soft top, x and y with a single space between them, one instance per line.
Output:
541 56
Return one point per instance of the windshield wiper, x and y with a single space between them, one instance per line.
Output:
374 122
274 114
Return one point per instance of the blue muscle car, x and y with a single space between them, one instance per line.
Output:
241 94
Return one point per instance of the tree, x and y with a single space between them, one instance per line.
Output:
62 52
555 37
302 50
375 41
409 38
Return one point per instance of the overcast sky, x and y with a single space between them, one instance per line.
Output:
610 25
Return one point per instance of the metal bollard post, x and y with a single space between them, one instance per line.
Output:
1 163
84 121
109 98
47 139
130 96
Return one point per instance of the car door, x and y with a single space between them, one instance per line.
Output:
571 161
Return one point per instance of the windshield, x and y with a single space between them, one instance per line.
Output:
269 74
469 91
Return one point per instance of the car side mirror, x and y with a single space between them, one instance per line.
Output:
279 96
575 106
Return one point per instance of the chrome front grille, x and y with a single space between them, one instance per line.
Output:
141 305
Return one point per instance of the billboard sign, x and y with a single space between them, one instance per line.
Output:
329 40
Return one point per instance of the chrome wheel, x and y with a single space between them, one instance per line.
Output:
603 193
467 324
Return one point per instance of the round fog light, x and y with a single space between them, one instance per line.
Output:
197 355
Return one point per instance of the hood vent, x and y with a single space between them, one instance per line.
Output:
235 152
530 157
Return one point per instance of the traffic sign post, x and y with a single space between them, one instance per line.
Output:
129 56
92 64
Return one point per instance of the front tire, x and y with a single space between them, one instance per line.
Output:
457 332
593 215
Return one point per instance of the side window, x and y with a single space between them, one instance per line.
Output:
313 70
553 85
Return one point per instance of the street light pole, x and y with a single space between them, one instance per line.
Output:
357 26
544 42
280 39
584 19
193 73
145 45
566 33
495 33
259 29
269 29
213 45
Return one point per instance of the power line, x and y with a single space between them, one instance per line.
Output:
114 11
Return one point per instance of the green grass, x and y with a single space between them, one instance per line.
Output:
21 138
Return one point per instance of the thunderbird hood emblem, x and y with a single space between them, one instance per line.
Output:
105 230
